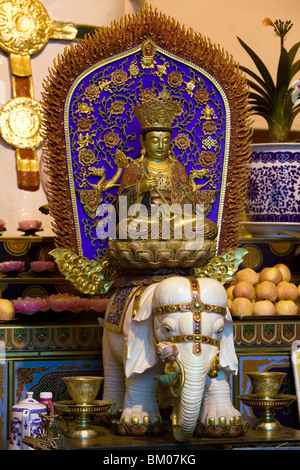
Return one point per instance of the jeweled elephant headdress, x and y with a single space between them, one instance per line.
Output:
99 95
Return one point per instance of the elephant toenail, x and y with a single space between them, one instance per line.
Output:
222 421
157 419
146 420
238 420
211 421
124 420
134 420
232 420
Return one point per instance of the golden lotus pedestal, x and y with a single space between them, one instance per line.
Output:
76 418
267 407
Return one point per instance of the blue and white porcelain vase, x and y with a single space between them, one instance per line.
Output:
274 184
25 421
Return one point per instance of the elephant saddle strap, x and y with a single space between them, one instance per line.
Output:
196 306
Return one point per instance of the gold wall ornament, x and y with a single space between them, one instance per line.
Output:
25 29
20 123
25 26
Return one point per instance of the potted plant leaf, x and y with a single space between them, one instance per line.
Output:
271 99
273 195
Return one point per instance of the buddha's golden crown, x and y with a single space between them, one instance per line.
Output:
159 112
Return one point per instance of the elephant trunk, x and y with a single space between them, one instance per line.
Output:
190 400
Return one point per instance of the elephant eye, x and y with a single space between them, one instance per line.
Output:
219 326
168 325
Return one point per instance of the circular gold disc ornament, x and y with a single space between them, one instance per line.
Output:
24 26
20 123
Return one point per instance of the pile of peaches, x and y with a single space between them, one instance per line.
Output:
269 292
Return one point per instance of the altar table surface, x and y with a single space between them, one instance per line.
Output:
107 440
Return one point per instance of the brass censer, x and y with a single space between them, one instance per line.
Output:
76 414
266 386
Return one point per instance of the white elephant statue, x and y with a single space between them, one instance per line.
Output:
186 322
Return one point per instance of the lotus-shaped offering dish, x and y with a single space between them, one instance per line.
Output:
30 305
42 267
2 226
30 227
65 302
12 268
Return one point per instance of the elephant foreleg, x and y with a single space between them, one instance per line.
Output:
140 403
217 403
114 380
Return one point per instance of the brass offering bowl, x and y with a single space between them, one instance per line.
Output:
83 390
266 384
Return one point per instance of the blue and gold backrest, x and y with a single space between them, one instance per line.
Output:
89 100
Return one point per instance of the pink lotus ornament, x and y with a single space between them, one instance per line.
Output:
97 304
42 266
30 227
65 302
30 224
30 305
167 352
2 226
11 266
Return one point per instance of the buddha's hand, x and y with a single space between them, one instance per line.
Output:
147 184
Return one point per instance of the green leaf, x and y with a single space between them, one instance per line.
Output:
293 51
295 68
283 72
167 379
265 97
260 66
258 80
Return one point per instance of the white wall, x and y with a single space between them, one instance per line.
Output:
220 20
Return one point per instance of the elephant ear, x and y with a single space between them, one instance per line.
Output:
140 343
228 358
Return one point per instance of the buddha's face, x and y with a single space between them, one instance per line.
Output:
157 145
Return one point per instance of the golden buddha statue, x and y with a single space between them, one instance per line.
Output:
157 178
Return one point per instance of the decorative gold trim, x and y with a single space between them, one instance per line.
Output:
26 164
194 339
194 306
20 65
